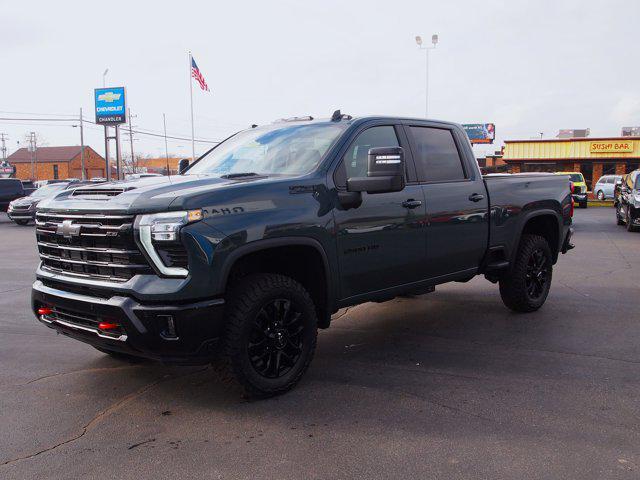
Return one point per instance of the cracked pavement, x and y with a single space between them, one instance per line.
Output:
445 385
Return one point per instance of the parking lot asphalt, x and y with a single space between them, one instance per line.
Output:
445 385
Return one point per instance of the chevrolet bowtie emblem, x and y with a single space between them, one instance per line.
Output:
67 229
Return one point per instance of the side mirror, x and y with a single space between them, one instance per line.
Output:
183 164
385 172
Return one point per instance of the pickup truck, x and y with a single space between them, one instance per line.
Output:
242 257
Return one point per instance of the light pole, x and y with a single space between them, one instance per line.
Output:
104 77
434 41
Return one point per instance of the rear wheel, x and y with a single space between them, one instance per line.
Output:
271 334
526 286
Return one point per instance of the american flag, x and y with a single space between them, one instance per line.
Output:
195 73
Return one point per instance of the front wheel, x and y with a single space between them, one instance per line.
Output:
271 331
600 195
583 204
21 222
526 286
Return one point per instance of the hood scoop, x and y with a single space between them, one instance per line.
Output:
99 192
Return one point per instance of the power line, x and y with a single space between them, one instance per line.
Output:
140 132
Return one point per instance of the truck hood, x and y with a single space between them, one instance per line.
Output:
144 195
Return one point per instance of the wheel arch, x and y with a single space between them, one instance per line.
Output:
544 222
323 292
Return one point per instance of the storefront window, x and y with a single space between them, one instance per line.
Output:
586 168
540 167
630 167
608 169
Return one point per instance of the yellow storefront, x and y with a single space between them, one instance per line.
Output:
593 157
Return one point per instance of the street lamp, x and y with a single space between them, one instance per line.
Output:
434 41
104 76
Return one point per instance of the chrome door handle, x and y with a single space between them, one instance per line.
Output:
476 197
411 203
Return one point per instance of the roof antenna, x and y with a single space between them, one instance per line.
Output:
337 116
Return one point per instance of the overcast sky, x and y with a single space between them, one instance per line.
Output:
529 66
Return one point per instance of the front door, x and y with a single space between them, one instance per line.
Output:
455 199
381 243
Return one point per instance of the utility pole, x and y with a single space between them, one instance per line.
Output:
3 137
83 176
166 147
34 156
133 158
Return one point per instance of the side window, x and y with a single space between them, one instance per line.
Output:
436 156
354 162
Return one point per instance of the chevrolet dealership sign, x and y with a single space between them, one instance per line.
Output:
110 106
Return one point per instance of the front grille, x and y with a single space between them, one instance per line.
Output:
21 207
89 245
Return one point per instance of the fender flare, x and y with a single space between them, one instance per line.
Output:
525 219
267 243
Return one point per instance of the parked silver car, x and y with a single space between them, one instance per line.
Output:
604 188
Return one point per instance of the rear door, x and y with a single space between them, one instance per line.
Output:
381 243
455 198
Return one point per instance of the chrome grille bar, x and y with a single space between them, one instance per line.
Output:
95 245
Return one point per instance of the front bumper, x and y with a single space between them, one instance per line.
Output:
580 197
144 329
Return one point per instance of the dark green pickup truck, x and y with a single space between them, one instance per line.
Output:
241 258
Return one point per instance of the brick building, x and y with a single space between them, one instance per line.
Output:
56 163
158 165
593 157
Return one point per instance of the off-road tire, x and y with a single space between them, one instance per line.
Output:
583 204
619 219
246 300
513 286
22 222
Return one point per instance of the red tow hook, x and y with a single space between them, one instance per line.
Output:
45 311
108 326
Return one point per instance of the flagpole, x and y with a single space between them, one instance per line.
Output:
193 143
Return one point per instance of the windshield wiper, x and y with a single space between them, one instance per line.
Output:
239 175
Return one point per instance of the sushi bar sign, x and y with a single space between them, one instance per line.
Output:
611 147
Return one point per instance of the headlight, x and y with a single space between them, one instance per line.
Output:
165 228
637 197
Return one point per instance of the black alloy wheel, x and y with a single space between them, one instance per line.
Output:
270 334
276 340
537 274
525 287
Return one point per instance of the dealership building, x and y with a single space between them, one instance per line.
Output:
593 157
53 163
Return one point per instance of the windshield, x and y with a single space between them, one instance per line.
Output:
576 177
48 190
276 149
